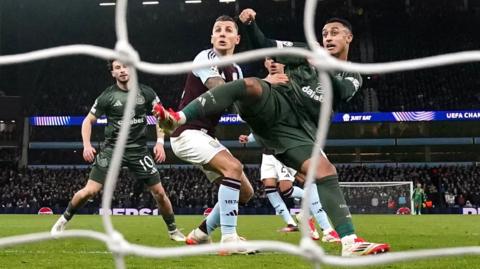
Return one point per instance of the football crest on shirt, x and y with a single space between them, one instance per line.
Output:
214 144
101 161
140 99
214 69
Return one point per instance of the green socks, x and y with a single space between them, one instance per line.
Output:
70 211
170 221
334 204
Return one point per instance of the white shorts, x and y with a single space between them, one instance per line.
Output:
273 168
197 147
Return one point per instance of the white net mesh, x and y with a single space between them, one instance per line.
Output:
307 248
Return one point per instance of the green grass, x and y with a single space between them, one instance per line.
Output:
402 232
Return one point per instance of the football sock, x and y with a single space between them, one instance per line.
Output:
213 220
228 195
293 192
335 205
279 205
170 221
317 210
71 210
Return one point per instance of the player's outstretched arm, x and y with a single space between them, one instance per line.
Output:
88 151
255 36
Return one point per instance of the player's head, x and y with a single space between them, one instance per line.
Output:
273 67
119 71
225 35
336 36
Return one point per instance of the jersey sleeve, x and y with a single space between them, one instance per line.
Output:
239 71
208 72
256 39
251 138
151 98
347 86
100 106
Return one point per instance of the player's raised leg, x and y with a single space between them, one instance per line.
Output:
216 100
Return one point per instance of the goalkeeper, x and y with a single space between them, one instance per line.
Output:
419 198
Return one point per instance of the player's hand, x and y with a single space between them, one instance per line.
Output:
300 177
243 139
247 16
156 110
159 152
89 153
277 79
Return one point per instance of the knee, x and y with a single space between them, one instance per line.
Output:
246 194
326 169
285 186
245 197
253 86
235 167
158 193
88 192
286 192
331 169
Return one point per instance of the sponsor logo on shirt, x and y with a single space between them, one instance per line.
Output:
214 144
133 121
316 94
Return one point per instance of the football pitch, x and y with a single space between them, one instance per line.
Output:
402 232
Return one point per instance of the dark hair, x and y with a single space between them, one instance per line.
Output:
110 65
344 22
227 18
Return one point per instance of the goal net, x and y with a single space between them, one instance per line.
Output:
378 197
321 60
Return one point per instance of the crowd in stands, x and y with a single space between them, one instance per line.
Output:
187 187
9 155
384 31
8 130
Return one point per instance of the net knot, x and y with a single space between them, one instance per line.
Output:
311 250
128 55
117 244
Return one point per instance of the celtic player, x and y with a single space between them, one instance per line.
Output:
284 118
136 156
